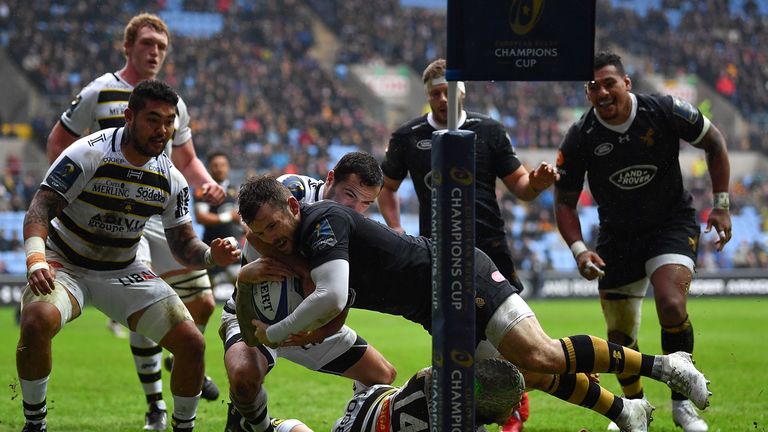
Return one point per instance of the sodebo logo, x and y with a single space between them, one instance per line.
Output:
524 14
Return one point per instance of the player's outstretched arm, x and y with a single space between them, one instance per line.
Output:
185 159
193 253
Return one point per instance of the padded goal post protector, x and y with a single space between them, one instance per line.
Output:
453 280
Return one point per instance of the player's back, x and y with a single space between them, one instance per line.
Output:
389 272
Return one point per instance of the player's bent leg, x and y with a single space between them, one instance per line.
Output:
523 342
168 321
41 319
147 355
371 369
246 368
194 289
516 333
579 389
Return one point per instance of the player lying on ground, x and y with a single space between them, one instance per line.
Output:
391 273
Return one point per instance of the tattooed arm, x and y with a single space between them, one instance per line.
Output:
45 205
191 252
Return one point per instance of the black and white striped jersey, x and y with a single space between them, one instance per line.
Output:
384 408
101 104
110 201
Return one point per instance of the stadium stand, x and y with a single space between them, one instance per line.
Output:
255 89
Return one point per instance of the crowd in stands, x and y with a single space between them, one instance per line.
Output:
255 91
252 89
723 45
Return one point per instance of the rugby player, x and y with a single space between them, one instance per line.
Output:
628 146
499 389
353 182
410 151
100 105
353 258
81 237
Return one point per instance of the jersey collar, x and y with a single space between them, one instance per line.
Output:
438 126
624 126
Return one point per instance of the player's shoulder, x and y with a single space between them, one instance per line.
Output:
481 122
652 102
97 143
480 118
413 125
108 82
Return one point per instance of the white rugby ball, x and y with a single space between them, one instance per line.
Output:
273 300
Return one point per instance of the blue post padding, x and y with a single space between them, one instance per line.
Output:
453 280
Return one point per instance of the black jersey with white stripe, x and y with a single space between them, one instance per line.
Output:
633 169
410 151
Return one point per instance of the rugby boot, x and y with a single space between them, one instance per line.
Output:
35 427
636 415
682 376
155 419
210 390
685 416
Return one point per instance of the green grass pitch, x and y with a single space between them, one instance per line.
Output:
94 387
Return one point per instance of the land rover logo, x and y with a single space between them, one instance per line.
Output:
424 144
633 177
603 149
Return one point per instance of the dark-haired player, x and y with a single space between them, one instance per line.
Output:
627 145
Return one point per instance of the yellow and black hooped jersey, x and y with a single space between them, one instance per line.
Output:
100 105
110 201
383 408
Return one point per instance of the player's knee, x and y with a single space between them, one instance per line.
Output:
193 342
244 387
385 373
38 320
543 357
201 307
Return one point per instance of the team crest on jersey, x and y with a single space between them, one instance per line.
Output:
603 149
424 144
64 175
693 242
685 110
648 137
322 236
633 177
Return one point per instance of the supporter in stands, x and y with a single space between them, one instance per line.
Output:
628 145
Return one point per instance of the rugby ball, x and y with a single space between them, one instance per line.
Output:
271 301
